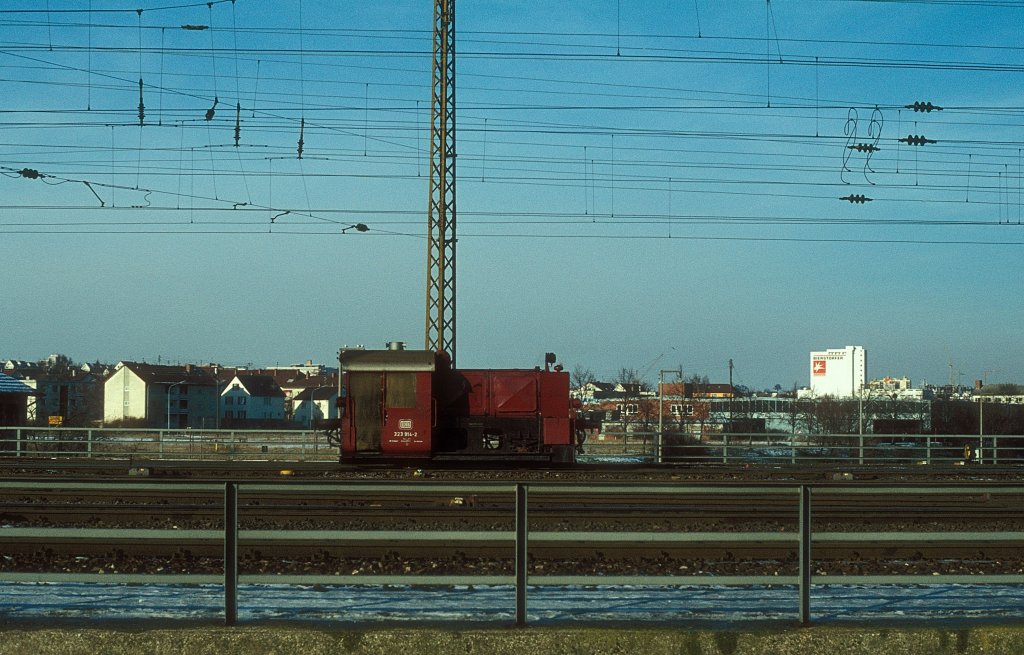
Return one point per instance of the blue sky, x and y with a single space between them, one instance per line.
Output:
646 185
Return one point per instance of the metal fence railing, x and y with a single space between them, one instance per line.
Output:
289 445
713 447
875 449
521 538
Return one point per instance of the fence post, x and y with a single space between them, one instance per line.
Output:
88 442
928 449
725 448
522 532
804 555
860 448
230 553
17 440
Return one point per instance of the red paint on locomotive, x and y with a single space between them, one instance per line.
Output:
412 404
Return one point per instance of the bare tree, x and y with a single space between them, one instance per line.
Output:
629 378
637 406
699 382
698 387
828 416
581 376
57 364
1001 389
629 381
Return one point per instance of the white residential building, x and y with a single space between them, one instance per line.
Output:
249 399
160 396
315 404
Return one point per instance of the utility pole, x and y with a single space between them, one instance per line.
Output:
732 393
440 314
661 409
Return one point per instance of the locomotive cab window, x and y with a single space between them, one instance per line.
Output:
401 390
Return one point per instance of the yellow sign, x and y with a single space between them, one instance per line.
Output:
56 420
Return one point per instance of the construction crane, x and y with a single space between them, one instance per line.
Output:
440 314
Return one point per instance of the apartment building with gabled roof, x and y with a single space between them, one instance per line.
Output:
313 405
252 400
157 396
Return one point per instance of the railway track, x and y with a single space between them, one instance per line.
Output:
448 553
442 505
83 526
213 469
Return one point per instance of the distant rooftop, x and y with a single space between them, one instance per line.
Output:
9 385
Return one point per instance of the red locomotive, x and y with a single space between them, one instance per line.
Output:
400 404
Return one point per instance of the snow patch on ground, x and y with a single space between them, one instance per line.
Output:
361 604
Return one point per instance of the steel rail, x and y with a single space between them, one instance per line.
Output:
802 540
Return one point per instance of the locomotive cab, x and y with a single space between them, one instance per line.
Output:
387 402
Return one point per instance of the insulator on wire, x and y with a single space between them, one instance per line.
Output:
195 28
864 147
857 198
302 131
238 123
926 107
30 173
142 107
916 140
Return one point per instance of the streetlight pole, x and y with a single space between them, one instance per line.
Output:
661 416
732 392
169 387
981 427
216 390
